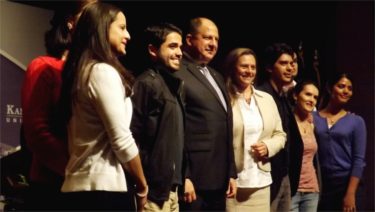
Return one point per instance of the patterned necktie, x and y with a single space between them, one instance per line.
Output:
212 81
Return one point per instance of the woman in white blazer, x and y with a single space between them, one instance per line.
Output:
257 133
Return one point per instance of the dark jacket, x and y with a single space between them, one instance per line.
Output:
289 160
280 162
157 126
208 131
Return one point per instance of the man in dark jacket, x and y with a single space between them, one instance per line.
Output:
158 120
279 66
210 172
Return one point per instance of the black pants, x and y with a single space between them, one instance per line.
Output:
212 200
44 197
333 193
99 200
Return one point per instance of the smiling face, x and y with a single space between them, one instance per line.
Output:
282 70
119 35
245 71
342 91
307 98
169 53
204 42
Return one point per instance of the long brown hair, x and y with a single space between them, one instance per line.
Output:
90 45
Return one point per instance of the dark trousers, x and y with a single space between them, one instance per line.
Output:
282 198
99 200
212 200
333 193
44 197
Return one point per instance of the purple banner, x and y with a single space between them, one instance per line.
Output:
11 79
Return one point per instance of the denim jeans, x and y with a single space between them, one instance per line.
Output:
305 202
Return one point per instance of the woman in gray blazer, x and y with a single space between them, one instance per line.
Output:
257 133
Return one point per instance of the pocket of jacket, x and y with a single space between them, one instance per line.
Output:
199 143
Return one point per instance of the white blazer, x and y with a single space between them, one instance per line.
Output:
272 135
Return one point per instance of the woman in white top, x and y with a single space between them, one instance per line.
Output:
257 133
97 110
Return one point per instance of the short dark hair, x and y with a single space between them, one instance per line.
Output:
157 34
269 57
273 52
58 38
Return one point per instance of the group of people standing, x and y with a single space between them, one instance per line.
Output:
182 136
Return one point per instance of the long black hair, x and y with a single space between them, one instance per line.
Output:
59 37
90 45
332 80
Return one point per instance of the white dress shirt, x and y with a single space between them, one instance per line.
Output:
251 176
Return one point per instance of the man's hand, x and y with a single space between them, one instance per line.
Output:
189 193
232 188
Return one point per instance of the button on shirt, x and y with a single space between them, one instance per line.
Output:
251 176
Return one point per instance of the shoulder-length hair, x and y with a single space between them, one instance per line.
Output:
230 68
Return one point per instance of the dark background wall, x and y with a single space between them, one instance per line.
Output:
341 32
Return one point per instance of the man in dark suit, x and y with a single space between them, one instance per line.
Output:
210 164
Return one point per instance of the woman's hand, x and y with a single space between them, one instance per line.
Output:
349 203
260 150
141 197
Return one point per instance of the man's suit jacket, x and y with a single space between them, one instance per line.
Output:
208 129
272 135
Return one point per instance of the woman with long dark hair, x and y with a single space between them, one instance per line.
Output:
97 111
341 139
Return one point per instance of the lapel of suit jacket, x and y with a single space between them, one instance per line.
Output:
221 86
194 70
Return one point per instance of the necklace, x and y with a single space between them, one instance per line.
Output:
303 126
333 118
247 93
